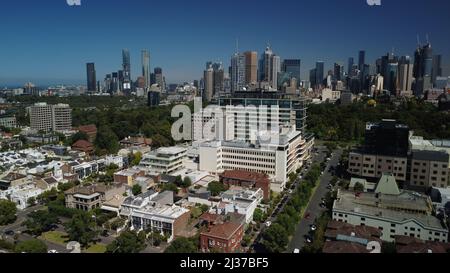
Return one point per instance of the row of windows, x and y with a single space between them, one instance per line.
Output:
244 152
249 158
445 166
248 164
232 167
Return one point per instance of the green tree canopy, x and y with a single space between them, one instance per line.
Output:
8 212
128 242
216 188
106 141
80 228
137 189
275 239
182 245
40 221
170 187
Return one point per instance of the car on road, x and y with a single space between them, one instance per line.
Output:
268 224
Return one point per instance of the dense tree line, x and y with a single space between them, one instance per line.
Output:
276 237
347 122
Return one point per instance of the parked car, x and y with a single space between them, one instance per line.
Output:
268 224
313 227
296 251
308 239
9 233
52 251
307 215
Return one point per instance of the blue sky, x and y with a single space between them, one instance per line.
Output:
50 42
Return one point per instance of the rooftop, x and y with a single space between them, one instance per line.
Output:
244 175
440 156
224 231
342 247
408 206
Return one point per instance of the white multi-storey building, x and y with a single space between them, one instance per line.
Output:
165 160
276 158
45 117
241 201
212 124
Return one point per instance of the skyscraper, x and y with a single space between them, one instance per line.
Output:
312 77
293 66
351 62
126 65
338 72
319 72
405 74
275 70
91 77
208 80
237 72
159 78
423 68
146 67
218 78
265 65
361 60
437 68
251 67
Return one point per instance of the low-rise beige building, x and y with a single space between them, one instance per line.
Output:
91 197
430 169
374 166
392 211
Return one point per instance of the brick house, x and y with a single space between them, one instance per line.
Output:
221 236
247 179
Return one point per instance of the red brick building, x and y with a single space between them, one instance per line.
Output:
222 237
90 131
83 146
247 179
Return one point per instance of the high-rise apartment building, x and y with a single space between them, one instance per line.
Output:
275 70
238 67
437 68
45 117
361 60
146 67
293 67
91 77
251 67
126 65
208 78
405 74
265 65
320 72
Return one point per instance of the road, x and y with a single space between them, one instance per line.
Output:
317 158
314 209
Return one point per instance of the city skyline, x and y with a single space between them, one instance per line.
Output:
58 53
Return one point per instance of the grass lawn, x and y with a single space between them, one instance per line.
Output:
97 248
56 237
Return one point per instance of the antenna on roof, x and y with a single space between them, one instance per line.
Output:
237 45
418 40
